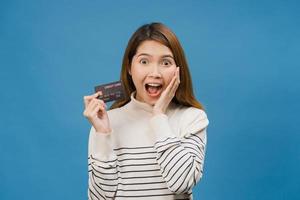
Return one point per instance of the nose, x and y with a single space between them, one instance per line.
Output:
155 72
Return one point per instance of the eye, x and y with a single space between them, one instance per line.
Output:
144 61
166 63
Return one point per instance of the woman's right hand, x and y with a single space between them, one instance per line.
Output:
95 112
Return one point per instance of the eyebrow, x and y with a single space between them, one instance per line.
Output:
164 56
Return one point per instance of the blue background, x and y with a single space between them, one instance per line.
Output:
244 60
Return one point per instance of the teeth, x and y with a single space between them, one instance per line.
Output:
154 84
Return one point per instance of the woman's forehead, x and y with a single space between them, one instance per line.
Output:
153 48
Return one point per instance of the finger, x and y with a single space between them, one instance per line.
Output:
102 103
178 74
90 107
174 88
96 106
97 109
87 99
176 84
90 97
178 77
171 83
168 90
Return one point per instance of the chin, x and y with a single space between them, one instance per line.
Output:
148 100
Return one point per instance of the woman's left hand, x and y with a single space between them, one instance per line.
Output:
167 95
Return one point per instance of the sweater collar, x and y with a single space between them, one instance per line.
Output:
137 105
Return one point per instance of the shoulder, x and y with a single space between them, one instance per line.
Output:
191 119
187 112
192 112
115 112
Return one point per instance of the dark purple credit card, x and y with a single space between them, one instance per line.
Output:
111 91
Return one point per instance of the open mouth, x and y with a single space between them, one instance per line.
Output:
153 89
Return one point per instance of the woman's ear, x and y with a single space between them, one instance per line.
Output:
129 71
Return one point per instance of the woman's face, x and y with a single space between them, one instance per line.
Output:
152 69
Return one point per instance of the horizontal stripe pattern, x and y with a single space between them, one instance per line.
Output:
171 166
103 179
181 161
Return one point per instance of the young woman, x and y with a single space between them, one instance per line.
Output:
150 145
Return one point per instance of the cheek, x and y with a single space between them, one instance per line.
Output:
169 75
137 76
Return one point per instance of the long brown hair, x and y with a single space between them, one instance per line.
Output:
162 34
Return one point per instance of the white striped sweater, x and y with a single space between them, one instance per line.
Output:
147 157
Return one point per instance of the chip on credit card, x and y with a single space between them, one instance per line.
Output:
111 91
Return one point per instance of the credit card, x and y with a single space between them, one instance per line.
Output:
111 91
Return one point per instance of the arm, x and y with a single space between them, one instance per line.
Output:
102 167
181 158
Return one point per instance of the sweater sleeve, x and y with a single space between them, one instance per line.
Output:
102 166
181 158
